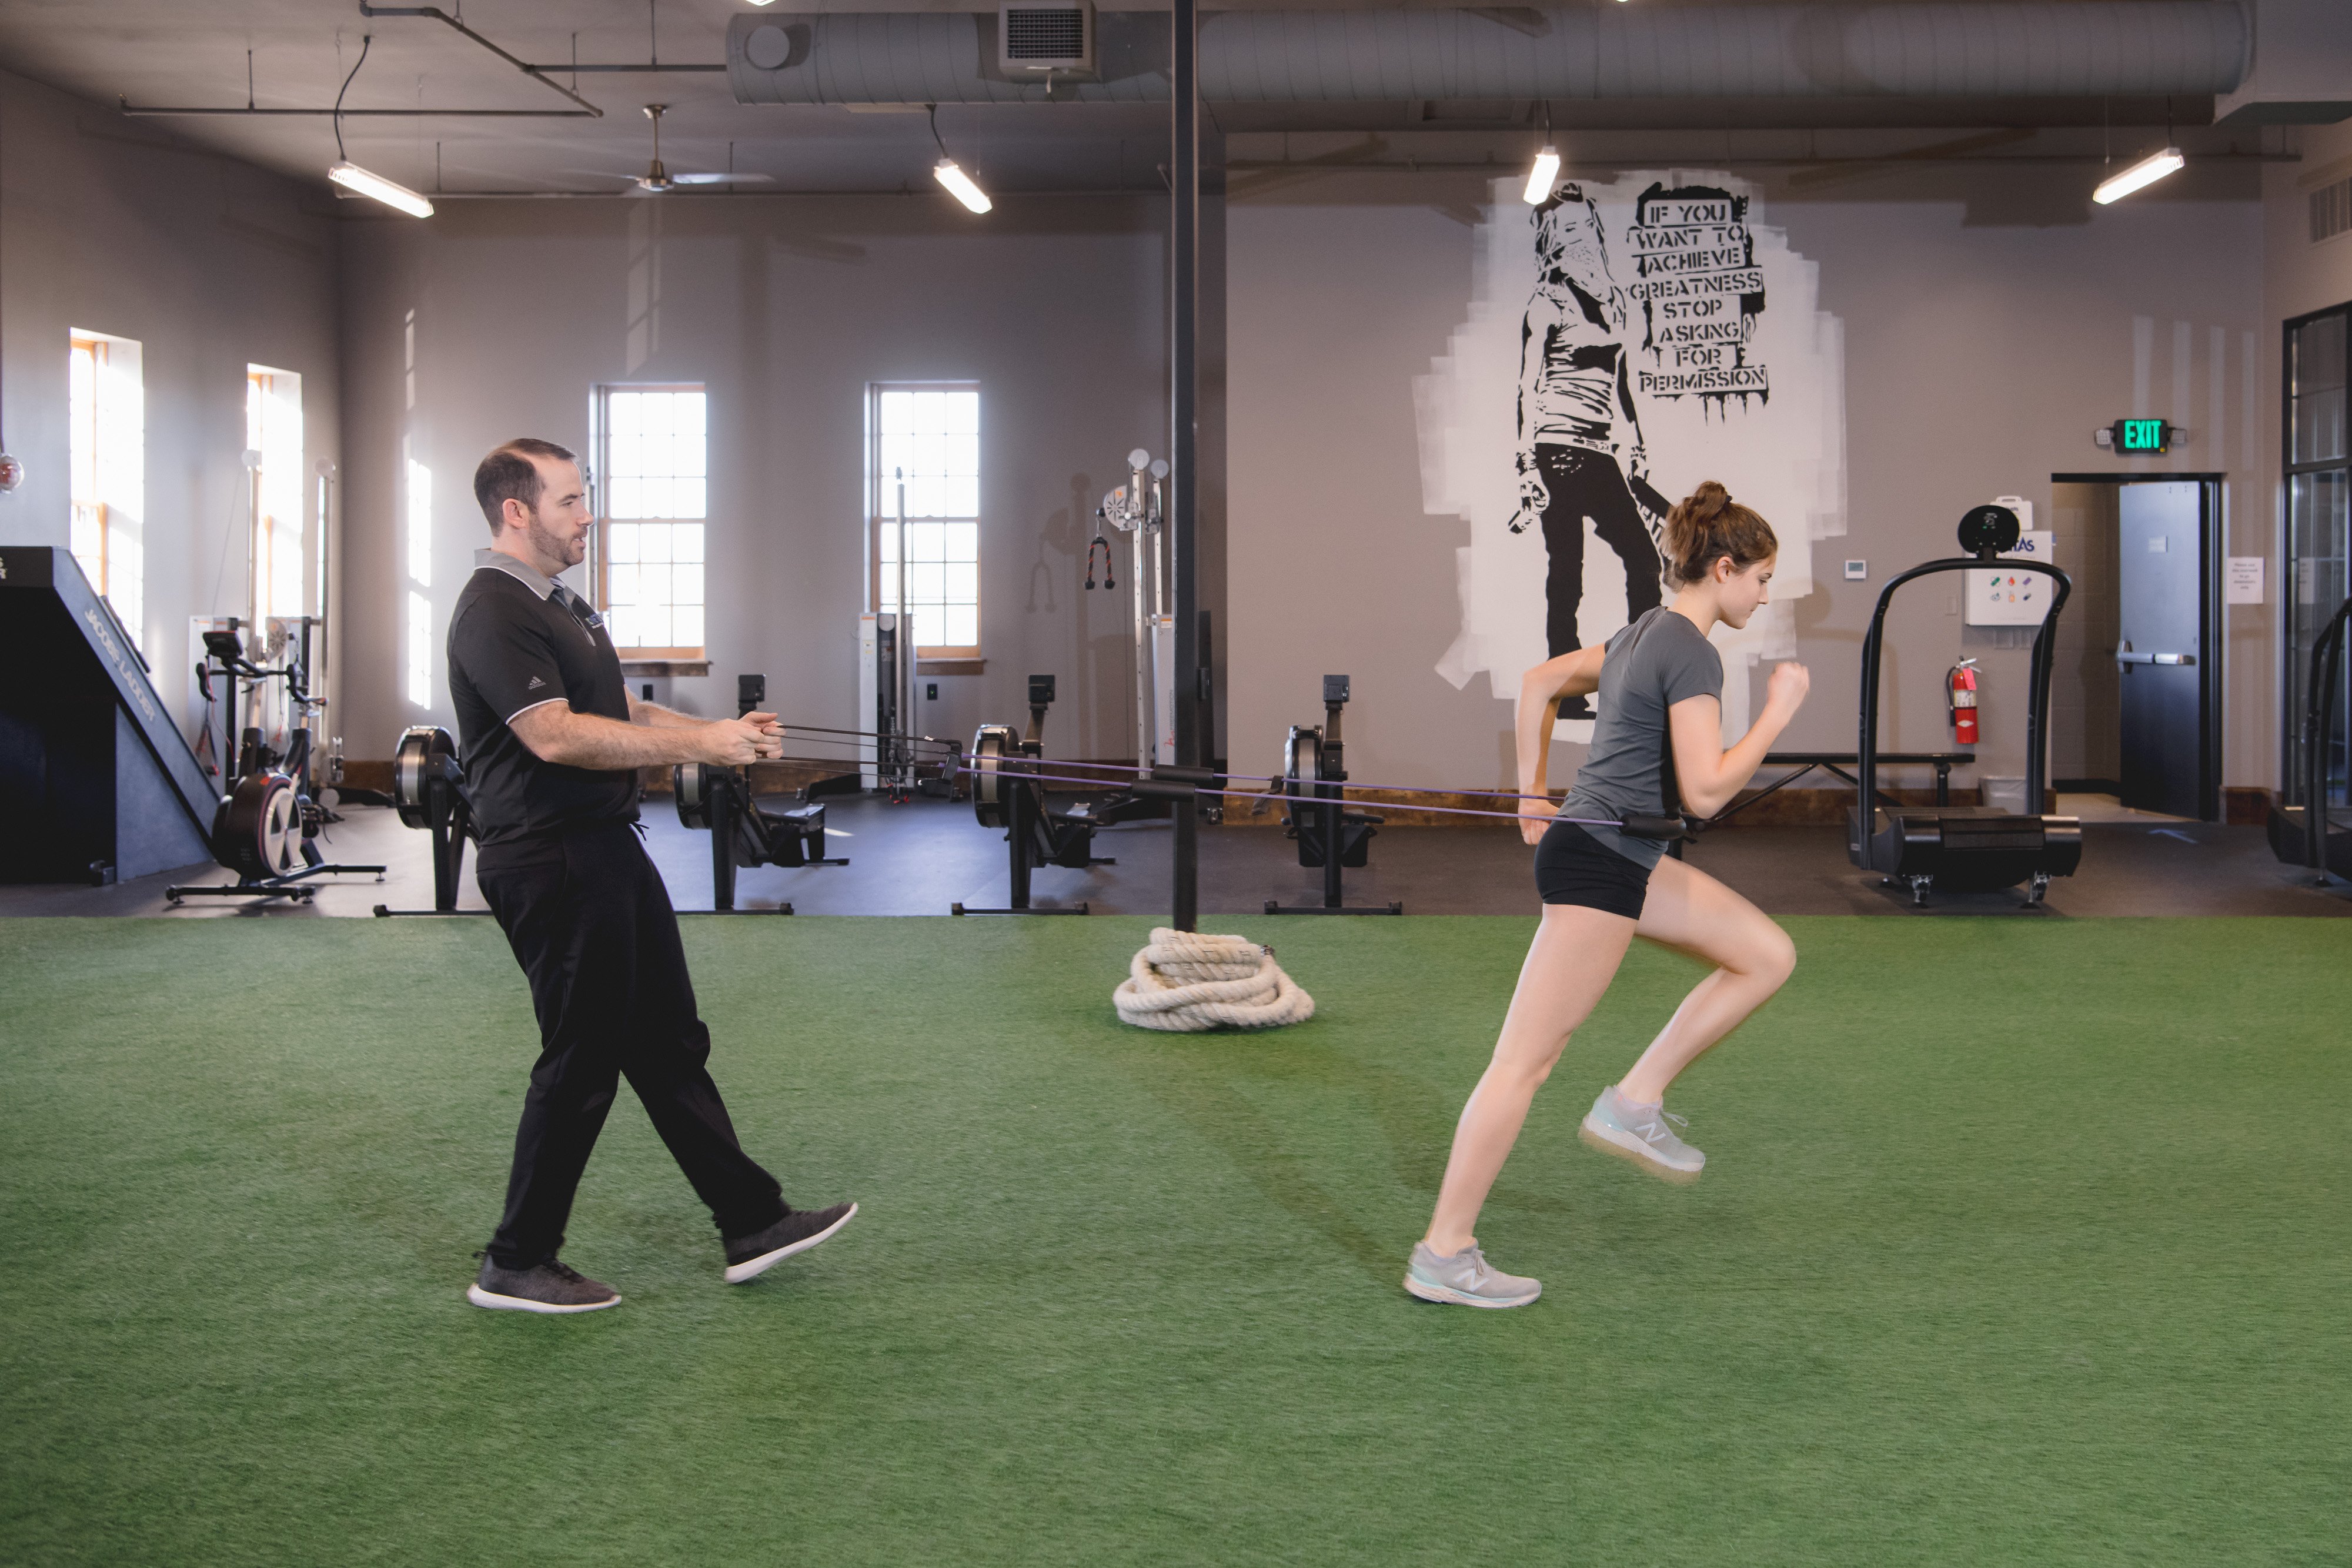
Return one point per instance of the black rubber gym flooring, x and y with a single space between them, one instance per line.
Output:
923 857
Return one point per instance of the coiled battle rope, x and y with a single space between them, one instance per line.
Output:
1185 982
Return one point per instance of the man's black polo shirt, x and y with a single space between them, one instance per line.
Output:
516 642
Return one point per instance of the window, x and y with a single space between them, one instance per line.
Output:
107 483
273 428
653 462
416 481
419 682
926 438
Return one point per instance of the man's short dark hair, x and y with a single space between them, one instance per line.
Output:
509 474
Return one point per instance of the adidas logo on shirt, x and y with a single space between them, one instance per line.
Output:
535 683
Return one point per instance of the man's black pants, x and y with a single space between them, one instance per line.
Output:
591 925
1587 484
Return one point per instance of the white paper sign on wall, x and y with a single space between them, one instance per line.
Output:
1997 598
2245 581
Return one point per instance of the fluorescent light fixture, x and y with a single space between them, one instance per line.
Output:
2145 172
959 185
1539 178
351 177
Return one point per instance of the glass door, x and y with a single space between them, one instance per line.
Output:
2318 531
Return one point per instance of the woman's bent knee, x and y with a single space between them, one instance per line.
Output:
1776 958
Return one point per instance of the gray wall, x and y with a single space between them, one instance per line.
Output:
113 225
1991 323
785 308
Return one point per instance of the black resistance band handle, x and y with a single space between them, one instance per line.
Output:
1665 829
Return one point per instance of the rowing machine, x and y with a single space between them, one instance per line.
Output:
743 832
428 791
1005 793
1314 768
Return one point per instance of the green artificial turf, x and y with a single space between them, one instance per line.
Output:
2021 1241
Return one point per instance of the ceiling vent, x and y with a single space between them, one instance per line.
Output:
1045 40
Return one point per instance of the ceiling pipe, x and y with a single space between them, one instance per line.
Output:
1973 48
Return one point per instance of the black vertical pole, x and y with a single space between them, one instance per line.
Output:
1184 361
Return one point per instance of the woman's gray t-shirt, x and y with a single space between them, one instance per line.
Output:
1650 665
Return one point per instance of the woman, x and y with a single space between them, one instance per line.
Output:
1661 684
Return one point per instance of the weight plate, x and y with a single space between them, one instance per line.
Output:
991 746
418 747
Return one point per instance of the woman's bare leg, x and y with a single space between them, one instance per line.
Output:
1574 956
1690 911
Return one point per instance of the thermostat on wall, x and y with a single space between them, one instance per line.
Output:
1857 571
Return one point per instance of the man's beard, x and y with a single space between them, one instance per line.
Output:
553 546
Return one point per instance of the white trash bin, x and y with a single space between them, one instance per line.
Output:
2003 794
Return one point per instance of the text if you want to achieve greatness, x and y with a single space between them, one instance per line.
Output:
1701 291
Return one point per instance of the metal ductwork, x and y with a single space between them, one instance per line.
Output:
2030 48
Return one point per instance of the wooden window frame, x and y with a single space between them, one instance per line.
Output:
942 658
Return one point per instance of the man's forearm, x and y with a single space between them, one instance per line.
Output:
590 740
653 715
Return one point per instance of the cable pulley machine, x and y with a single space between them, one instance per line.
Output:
1314 778
1137 509
1959 848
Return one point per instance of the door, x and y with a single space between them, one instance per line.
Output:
2159 658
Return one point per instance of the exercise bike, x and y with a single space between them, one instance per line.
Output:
1005 793
269 817
1314 773
743 832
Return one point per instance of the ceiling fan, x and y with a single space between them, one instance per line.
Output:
658 179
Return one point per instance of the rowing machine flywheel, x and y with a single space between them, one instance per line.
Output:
991 747
1302 759
693 782
258 833
419 746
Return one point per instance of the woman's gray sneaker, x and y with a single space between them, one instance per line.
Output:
1466 1280
1639 1134
550 1287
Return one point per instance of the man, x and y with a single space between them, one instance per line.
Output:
552 741
1576 421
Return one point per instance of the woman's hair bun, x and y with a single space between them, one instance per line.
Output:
1708 526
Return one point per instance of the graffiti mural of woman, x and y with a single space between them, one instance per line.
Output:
1580 439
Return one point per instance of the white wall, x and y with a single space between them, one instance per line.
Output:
1991 321
785 308
113 225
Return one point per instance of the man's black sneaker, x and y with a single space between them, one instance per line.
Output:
748 1257
551 1287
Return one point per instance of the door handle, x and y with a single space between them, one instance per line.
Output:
2123 655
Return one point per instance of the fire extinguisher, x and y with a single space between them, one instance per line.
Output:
1960 692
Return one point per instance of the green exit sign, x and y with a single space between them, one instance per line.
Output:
2141 437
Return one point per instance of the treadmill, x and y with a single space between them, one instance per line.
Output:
1965 849
2308 834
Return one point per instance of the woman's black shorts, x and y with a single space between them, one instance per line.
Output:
1574 867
